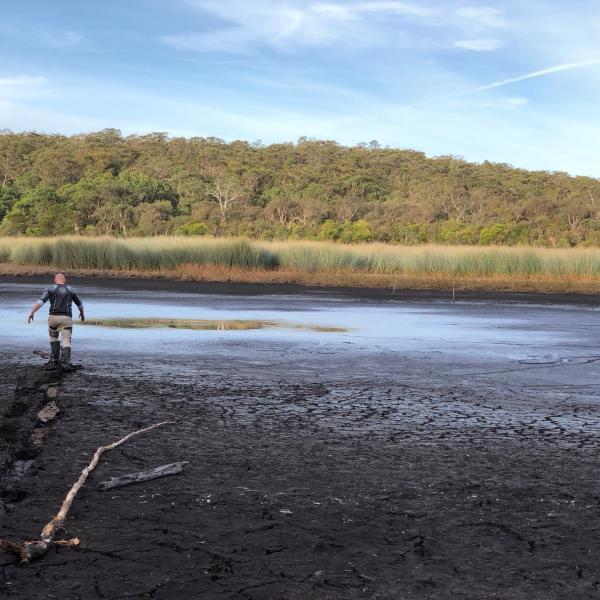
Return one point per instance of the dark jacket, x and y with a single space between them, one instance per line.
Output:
61 299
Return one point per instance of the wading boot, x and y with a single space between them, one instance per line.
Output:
54 356
65 360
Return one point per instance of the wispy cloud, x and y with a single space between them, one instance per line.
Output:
482 16
479 45
278 24
397 8
284 25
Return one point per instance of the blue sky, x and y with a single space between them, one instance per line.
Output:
510 81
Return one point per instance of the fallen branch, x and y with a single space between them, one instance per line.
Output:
123 480
30 550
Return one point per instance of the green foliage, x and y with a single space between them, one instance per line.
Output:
494 234
192 228
105 184
8 196
356 231
409 234
453 232
330 230
40 211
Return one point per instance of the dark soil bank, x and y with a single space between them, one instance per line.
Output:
311 475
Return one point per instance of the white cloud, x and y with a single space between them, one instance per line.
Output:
397 8
482 16
279 24
262 22
479 45
335 11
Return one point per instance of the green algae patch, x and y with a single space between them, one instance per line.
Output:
210 324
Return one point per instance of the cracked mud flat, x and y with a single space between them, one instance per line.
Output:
323 468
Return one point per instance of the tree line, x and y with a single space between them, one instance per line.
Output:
104 183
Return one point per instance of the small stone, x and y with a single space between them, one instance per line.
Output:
48 413
38 436
52 392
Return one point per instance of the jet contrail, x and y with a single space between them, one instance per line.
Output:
503 82
550 70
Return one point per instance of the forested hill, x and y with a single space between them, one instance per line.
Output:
104 183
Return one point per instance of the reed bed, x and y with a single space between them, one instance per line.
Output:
170 254
145 254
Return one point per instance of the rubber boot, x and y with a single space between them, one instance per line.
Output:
65 359
54 356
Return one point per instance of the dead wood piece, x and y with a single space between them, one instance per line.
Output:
48 413
123 480
71 542
30 550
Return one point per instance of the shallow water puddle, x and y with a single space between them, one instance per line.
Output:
211 324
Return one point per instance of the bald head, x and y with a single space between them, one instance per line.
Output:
60 279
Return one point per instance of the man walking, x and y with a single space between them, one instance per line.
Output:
60 320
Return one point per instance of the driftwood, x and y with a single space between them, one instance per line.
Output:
123 480
30 550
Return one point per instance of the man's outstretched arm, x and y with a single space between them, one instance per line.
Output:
79 306
38 305
34 309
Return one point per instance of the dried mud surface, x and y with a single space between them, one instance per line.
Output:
291 289
312 473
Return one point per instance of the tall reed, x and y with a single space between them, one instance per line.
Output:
143 254
168 253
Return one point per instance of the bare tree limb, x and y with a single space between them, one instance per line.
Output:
30 550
